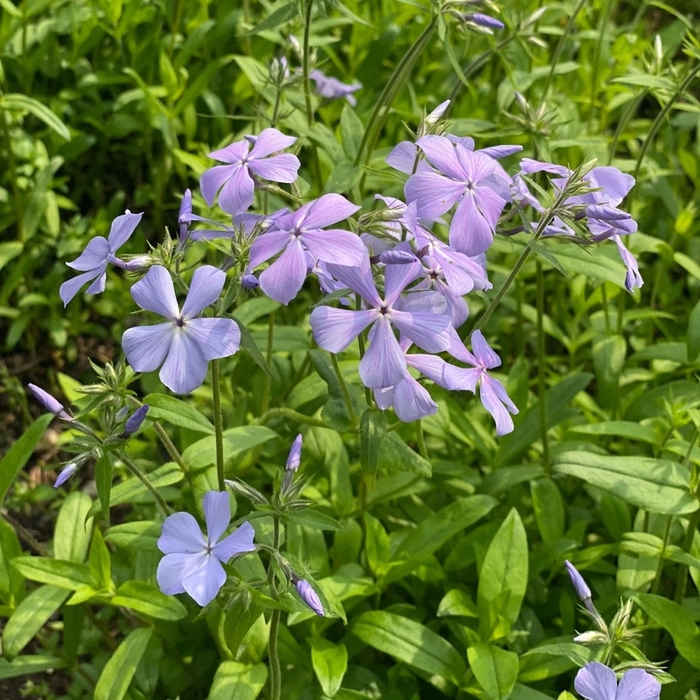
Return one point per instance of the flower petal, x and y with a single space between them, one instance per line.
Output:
470 233
596 682
238 542
412 400
155 292
173 569
233 153
206 581
98 286
146 347
269 141
397 278
213 180
428 331
205 289
266 246
238 193
384 363
358 278
72 286
476 166
335 246
637 684
282 168
335 329
324 211
122 228
483 351
492 403
94 255
285 277
185 367
217 514
434 194
441 154
181 534
403 157
216 337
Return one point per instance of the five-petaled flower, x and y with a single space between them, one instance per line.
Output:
98 253
192 561
598 682
184 344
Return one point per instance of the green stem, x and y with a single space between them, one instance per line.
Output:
477 63
170 447
541 383
272 650
596 60
305 63
289 414
268 376
146 482
606 313
218 422
344 389
422 449
560 47
664 546
682 578
624 120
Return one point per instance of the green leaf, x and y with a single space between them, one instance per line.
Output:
147 599
693 337
396 455
527 430
251 347
139 535
457 603
676 621
608 362
495 669
103 482
24 665
373 426
236 681
240 617
330 662
29 617
549 509
23 103
411 643
100 561
657 485
576 653
73 528
55 572
351 131
618 428
116 676
237 440
11 582
177 412
503 579
279 17
9 250
314 518
599 263
18 455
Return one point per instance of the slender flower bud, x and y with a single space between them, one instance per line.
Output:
309 596
51 404
484 21
249 282
433 118
138 263
397 257
135 420
122 413
294 458
580 586
65 474
185 215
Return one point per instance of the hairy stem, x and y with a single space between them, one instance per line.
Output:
268 377
541 384
272 651
344 389
146 482
218 423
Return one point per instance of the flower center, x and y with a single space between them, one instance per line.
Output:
179 322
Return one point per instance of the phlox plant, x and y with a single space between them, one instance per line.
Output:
395 288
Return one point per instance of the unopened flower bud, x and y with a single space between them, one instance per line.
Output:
249 282
138 263
309 596
294 458
122 413
51 404
65 474
135 420
591 637
580 586
433 118
484 21
397 257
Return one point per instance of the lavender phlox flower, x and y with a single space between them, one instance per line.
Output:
235 181
520 193
184 344
633 278
249 282
98 253
384 363
405 157
135 420
598 682
294 458
51 404
464 178
394 221
186 217
251 224
332 89
492 393
65 474
528 166
328 283
192 561
300 232
309 596
434 278
578 582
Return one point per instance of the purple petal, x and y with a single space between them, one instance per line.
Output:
217 514
155 292
412 400
122 228
441 154
578 582
135 420
216 337
637 684
470 233
490 204
294 457
270 141
51 404
429 302
335 329
493 404
633 278
403 157
267 246
596 682
98 285
65 474
173 569
205 289
285 277
146 347
213 180
185 367
309 596
529 166
336 246
397 278
615 184
239 542
476 166
94 256
427 331
444 374
359 279
384 398
483 351
324 211
206 581
238 193
71 287
282 168
433 193
500 151
181 535
233 153
384 363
